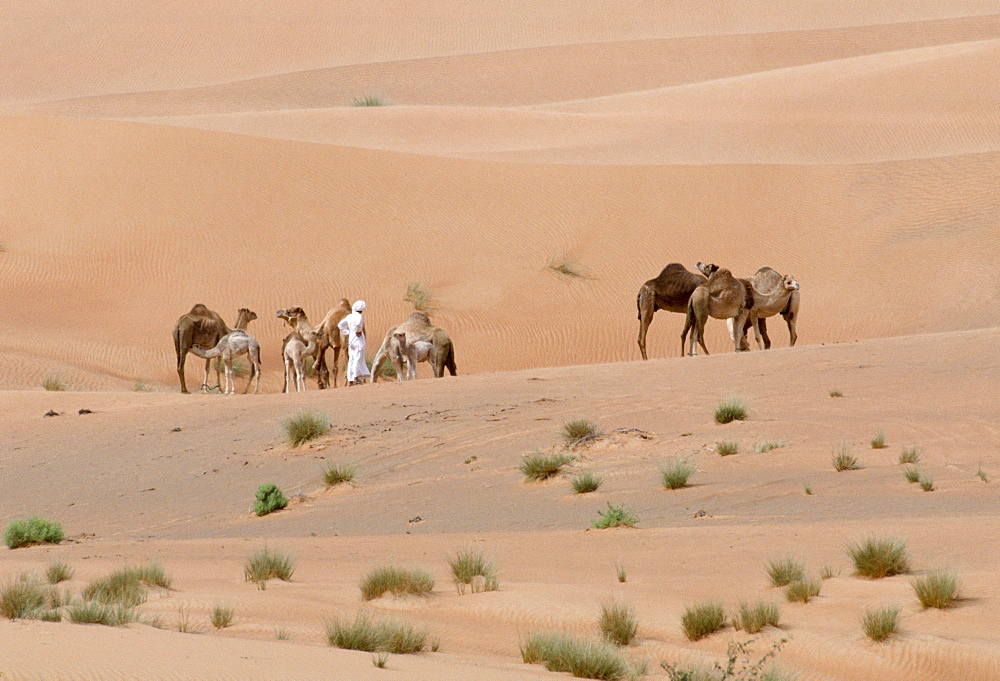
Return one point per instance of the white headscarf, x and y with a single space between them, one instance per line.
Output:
358 306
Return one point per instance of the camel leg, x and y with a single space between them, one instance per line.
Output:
688 326
646 302
322 372
230 378
288 375
762 323
790 318
756 332
181 346
300 375
701 335
204 381
336 364
738 330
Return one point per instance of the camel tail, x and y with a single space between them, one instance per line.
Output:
450 361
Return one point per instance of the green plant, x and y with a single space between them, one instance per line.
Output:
740 666
240 368
878 442
843 460
620 571
126 586
470 569
380 660
910 455
369 635
880 624
981 474
419 295
184 623
370 100
879 557
23 598
222 616
733 409
435 644
675 473
926 483
936 589
783 571
32 530
538 466
305 426
579 431
727 447
281 634
53 382
396 580
388 369
828 573
618 623
269 499
615 516
561 264
703 619
265 564
93 612
802 590
580 657
807 488
768 445
911 474
587 482
50 616
836 393
337 473
58 571
751 618
142 387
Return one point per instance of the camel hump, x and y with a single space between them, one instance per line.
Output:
767 280
199 309
673 269
419 318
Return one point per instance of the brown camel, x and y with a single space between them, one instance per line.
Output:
766 279
201 326
723 296
328 336
415 340
670 291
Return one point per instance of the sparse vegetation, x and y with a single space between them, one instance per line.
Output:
910 455
93 612
875 557
337 473
587 482
878 442
380 660
470 569
740 666
58 571
270 498
184 623
828 573
751 618
802 590
419 295
561 264
727 447
370 100
281 634
834 392
733 409
703 619
580 657
981 474
621 572
396 580
881 624
142 387
579 431
126 587
768 445
675 474
305 426
807 488
538 466
240 368
34 530
926 482
615 516
912 474
222 616
369 635
265 564
618 623
53 382
936 589
783 571
23 598
843 460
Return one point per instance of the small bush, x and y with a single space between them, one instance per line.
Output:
370 100
675 474
281 634
419 295
541 466
836 393
727 447
783 571
910 455
222 616
926 483
265 564
828 573
31 531
588 482
371 636
768 445
50 616
807 488
936 589
843 460
269 499
380 660
615 516
733 409
802 590
618 623
93 612
337 473
126 586
469 569
621 572
880 624
23 598
560 264
879 557
305 426
751 618
184 623
395 580
703 619
878 442
54 382
58 571
580 657
912 474
579 431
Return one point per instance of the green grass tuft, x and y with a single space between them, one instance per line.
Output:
675 473
54 382
23 598
419 295
912 474
265 564
783 571
94 612
842 458
875 557
733 409
579 431
580 657
305 426
621 572
337 473
615 516
587 482
371 100
470 569
370 635
910 455
727 447
34 530
880 624
878 442
380 660
801 590
222 616
828 573
751 618
926 483
618 623
126 587
396 580
768 445
836 393
270 498
703 619
981 474
936 589
538 466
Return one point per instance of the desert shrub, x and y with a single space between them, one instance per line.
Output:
618 623
675 473
703 619
878 442
58 571
265 564
269 499
910 455
370 100
568 267
184 623
23 598
835 392
94 612
126 586
926 483
337 473
828 573
539 466
842 458
380 660
879 557
733 409
880 624
783 571
419 295
305 426
50 616
936 589
578 431
727 447
751 618
580 657
32 530
396 580
222 616
912 474
588 482
615 516
54 382
742 664
621 572
768 445
142 387
369 635
807 488
802 590
469 569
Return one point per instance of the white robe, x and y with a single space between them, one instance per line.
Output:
349 326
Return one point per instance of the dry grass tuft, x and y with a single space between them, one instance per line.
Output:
783 571
802 590
586 483
265 564
880 624
936 589
305 426
470 569
222 616
875 557
538 466
339 473
396 580
910 455
580 657
618 623
675 474
703 619
843 460
419 295
579 431
371 635
733 409
727 447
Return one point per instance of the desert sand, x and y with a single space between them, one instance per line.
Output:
157 157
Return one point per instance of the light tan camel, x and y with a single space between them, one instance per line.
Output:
670 291
772 294
723 296
328 336
201 326
232 345
297 346
415 340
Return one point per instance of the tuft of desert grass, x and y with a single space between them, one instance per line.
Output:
880 624
470 570
538 466
807 488
877 557
58 571
910 455
269 498
380 660
264 564
585 483
184 623
579 431
768 445
305 426
842 458
926 483
752 617
370 100
620 571
338 473
615 516
281 634
912 474
53 382
126 587
33 530
675 473
802 590
23 598
828 573
94 612
783 571
733 409
878 442
142 387
936 589
580 657
222 616
727 447
836 392
370 635
419 295
981 474
566 266
396 580
618 623
703 619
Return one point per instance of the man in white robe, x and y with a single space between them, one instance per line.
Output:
353 326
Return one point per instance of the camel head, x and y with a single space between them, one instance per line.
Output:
400 337
249 314
706 268
290 314
788 282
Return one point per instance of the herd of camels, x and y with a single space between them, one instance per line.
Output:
710 292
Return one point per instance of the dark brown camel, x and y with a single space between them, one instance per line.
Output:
203 327
670 291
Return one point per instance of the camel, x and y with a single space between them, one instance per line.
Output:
297 345
329 337
415 340
231 346
772 294
723 296
670 291
201 326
